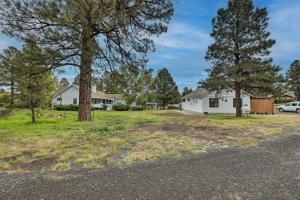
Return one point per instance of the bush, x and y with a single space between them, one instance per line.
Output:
120 107
4 100
136 108
66 107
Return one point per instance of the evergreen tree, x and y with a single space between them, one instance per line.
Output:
293 78
64 82
90 33
186 91
35 82
166 89
9 68
240 51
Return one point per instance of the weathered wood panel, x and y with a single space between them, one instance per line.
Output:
262 106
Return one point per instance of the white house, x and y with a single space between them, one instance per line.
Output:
203 101
70 96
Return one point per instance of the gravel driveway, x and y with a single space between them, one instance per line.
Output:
269 171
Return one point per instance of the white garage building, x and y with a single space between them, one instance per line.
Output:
203 101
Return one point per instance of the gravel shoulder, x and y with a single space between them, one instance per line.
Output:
269 171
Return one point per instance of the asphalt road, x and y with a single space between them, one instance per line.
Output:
269 171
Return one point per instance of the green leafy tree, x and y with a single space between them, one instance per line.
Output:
166 89
88 33
9 68
35 83
293 78
136 84
240 51
186 91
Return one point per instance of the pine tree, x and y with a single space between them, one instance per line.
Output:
9 69
35 82
87 33
64 82
293 77
166 89
240 51
186 91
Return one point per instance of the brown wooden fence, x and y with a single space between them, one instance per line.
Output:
262 106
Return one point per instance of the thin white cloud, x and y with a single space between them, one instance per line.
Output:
183 36
285 28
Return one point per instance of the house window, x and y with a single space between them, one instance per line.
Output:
59 99
234 102
183 100
213 102
75 101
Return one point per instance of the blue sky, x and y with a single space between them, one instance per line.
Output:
183 48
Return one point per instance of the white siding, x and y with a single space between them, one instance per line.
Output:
194 105
225 103
70 94
67 97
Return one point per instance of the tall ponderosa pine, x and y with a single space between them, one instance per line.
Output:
9 69
86 33
166 89
293 76
240 51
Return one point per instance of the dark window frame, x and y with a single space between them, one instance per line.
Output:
214 102
234 102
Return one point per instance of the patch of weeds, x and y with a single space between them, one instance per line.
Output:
67 156
161 145
4 166
62 166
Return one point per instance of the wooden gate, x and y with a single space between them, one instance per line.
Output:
262 106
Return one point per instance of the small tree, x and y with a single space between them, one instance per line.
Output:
166 89
64 82
240 51
186 91
35 82
9 70
293 78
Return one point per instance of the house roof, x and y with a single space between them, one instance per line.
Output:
102 95
290 93
196 94
95 95
62 89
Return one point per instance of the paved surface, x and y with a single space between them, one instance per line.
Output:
270 171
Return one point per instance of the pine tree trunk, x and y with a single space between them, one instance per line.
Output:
238 100
32 113
12 94
85 81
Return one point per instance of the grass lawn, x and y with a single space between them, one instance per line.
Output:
121 138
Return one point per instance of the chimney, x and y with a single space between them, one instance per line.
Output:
94 89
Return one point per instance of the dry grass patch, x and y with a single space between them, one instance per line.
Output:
117 138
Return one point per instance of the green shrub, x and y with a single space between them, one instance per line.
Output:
70 107
66 107
136 108
120 107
